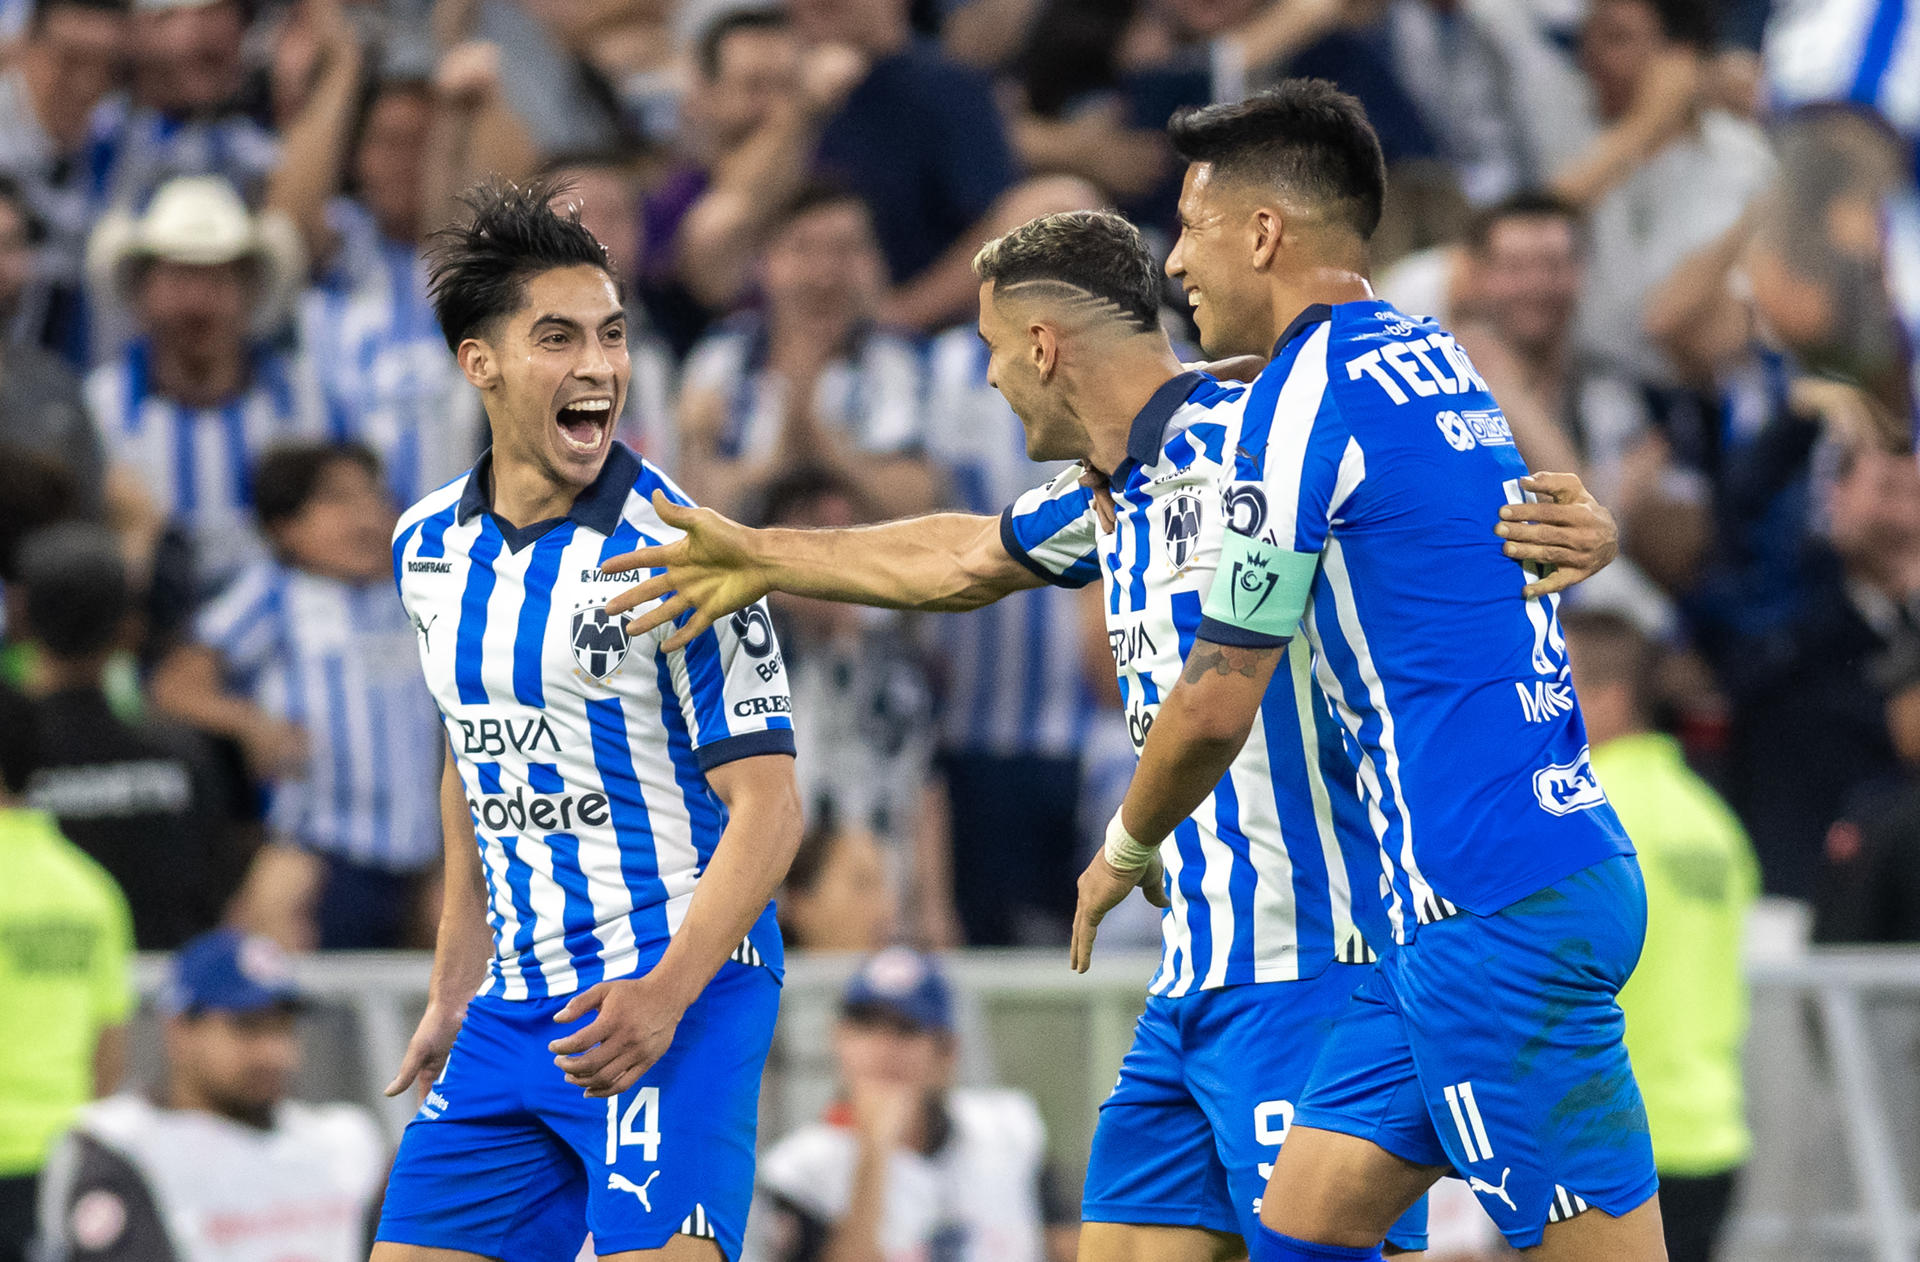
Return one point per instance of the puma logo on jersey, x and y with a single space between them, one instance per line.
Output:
1481 1188
617 1182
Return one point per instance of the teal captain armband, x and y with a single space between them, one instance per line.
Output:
1260 587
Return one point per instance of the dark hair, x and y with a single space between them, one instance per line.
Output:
1612 649
792 492
37 490
1690 22
289 473
1094 251
1304 136
811 196
1527 204
480 268
75 582
707 52
118 8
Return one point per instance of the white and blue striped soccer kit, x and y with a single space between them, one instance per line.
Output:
197 462
1263 890
1369 463
381 367
337 660
584 755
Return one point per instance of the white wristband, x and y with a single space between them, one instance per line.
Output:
1125 855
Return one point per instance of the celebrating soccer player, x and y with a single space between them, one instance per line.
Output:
617 813
1271 877
1488 1041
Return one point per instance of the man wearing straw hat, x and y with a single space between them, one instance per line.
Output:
186 407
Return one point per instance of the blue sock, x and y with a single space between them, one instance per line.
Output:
1274 1247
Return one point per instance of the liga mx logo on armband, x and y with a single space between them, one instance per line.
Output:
599 641
1182 522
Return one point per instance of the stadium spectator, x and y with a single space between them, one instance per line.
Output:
840 894
307 661
863 717
1686 1003
40 401
1870 885
1570 409
812 381
353 180
69 61
754 117
1668 173
606 188
145 800
921 140
905 1163
216 1161
1808 726
186 410
66 991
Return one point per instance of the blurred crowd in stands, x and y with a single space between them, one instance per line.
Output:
220 380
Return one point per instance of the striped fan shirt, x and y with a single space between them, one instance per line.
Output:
336 659
584 753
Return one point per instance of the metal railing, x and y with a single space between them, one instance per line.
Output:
1833 1068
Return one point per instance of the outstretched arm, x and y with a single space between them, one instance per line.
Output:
943 563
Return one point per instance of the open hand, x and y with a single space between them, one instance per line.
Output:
1103 888
1567 530
707 574
634 1028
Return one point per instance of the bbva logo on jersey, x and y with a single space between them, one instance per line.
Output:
599 641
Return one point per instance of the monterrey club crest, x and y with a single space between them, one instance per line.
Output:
599 641
1181 520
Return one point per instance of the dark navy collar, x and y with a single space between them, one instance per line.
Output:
597 508
1301 323
1150 423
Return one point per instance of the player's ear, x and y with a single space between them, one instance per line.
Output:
1264 226
1044 348
478 363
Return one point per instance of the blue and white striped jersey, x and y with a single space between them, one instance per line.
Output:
1014 675
381 367
197 463
872 395
584 753
336 659
1370 444
1261 885
1864 52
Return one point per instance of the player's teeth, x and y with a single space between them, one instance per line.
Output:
1193 298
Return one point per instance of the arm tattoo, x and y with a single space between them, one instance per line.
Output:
1223 659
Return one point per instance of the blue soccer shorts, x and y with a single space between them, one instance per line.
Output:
1494 1044
508 1160
1205 1098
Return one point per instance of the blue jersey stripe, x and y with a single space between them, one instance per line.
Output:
583 948
494 918
613 763
385 800
433 532
233 420
1240 879
704 812
520 889
1034 659
705 680
544 777
529 639
470 636
186 461
1193 874
334 673
1876 53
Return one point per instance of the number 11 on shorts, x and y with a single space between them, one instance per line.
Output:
638 1125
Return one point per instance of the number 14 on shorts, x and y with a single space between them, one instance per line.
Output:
637 1124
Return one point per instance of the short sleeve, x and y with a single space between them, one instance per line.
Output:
244 623
732 689
1293 455
1052 530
